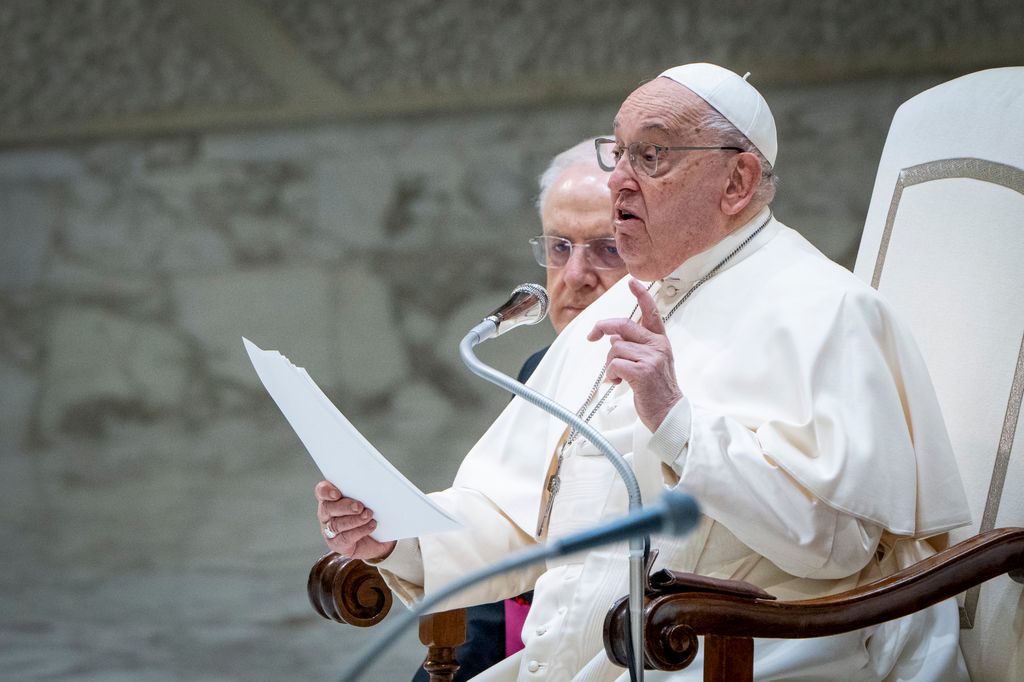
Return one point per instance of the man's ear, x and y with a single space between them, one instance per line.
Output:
744 177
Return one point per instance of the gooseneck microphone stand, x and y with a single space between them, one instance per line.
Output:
488 329
676 513
405 619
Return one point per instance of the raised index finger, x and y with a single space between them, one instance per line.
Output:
650 318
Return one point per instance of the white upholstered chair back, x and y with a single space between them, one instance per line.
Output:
944 243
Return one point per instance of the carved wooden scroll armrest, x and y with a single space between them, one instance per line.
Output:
674 619
348 591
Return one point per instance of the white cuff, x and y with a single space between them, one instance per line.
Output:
669 443
405 561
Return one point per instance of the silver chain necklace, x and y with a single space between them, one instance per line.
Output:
554 481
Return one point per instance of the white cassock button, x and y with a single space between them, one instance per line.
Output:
533 667
671 290
541 631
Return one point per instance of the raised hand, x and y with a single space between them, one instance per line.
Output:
641 356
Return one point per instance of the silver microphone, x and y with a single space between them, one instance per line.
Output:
527 304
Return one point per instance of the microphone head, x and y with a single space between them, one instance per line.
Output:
527 304
539 307
681 512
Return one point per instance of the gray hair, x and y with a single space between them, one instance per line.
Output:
584 152
726 134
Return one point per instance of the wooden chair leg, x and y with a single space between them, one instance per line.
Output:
728 659
441 633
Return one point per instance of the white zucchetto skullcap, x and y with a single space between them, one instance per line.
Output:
734 98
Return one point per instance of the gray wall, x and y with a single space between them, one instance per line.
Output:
351 184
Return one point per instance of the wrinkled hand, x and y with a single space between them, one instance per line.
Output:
642 356
352 522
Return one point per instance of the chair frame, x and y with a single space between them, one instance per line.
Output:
349 591
729 622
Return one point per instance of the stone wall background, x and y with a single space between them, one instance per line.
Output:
352 184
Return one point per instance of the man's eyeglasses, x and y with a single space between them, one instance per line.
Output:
555 252
643 156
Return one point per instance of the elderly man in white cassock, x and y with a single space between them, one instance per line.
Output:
737 363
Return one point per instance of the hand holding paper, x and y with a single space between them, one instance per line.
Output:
347 525
344 456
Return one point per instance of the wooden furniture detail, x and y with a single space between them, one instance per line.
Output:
441 633
675 619
349 591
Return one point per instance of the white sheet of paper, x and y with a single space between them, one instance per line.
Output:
344 456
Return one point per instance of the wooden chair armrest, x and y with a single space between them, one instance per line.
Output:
673 621
348 591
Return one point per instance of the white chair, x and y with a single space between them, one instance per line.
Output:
944 243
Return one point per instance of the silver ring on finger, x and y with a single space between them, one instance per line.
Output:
328 533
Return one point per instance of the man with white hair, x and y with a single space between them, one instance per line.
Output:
577 247
577 250
747 369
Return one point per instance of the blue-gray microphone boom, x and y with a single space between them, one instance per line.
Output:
675 514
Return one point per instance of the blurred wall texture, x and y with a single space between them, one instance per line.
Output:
351 183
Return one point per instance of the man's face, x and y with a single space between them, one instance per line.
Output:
661 221
577 207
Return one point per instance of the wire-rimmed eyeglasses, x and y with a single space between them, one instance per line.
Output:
555 252
643 156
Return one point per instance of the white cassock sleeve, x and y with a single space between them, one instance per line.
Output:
814 424
427 564
759 502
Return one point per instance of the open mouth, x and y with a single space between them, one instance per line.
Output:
624 215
